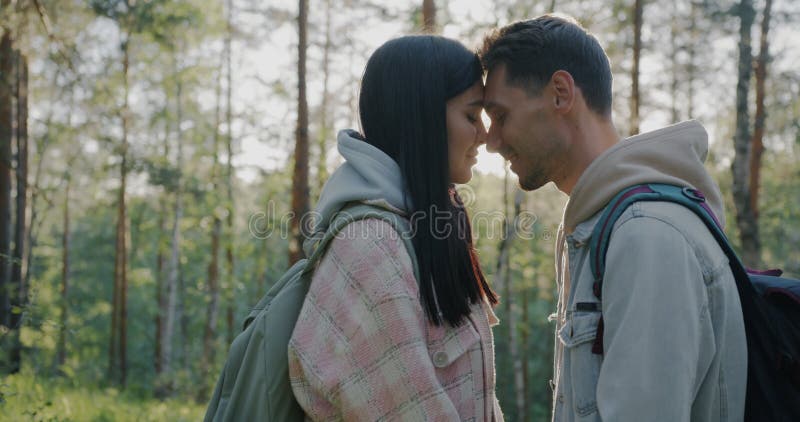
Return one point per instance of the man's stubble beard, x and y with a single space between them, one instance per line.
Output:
532 181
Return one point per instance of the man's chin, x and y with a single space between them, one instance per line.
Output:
531 183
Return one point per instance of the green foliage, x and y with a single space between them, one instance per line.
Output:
26 396
532 289
155 17
780 212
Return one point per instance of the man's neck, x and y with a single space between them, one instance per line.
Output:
592 136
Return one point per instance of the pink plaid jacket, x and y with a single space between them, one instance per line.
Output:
363 349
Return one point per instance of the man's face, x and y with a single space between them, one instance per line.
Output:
523 130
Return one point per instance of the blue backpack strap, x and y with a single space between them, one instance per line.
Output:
598 243
690 198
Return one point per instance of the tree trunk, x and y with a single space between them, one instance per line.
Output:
117 353
161 298
230 268
300 179
516 356
745 219
504 274
123 230
62 331
18 265
35 222
61 353
691 67
429 16
173 279
180 313
123 300
676 67
637 48
324 129
524 350
757 142
210 329
6 114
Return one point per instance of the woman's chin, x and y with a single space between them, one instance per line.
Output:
462 178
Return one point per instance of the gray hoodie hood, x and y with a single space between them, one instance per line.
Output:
368 175
673 155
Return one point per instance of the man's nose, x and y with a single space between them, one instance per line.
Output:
493 140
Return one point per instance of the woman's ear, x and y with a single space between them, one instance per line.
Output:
563 88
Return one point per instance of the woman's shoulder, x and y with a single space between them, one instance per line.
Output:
368 233
370 256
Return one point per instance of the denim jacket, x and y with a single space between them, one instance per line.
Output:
674 346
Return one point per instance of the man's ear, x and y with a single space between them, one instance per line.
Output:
563 87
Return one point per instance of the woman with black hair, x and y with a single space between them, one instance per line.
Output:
374 341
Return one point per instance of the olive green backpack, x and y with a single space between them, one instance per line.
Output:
254 384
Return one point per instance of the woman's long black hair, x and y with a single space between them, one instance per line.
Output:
403 104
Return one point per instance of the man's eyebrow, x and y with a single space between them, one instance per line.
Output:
476 103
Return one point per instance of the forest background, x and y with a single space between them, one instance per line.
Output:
152 152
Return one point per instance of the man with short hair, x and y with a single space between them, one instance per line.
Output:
673 347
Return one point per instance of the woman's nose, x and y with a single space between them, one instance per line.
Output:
482 134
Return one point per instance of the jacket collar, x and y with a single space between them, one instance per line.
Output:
583 231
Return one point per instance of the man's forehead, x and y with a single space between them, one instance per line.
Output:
500 93
496 76
495 87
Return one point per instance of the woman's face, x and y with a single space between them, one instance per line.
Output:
465 132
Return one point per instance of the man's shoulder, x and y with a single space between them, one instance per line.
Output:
649 223
660 213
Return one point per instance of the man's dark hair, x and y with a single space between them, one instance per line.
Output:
534 49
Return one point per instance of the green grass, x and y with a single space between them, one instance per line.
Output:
25 397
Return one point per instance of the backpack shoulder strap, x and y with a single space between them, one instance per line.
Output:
688 197
358 212
349 214
273 291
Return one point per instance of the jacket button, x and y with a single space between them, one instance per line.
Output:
440 359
